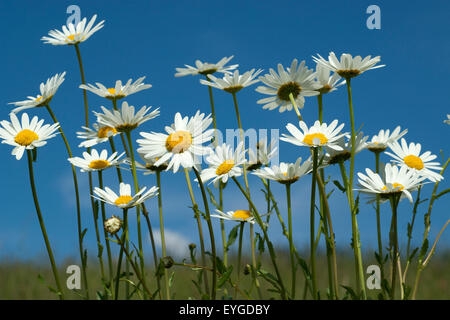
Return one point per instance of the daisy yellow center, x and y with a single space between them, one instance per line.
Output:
178 142
288 88
103 131
225 167
38 99
395 186
309 138
123 200
242 214
26 137
72 36
98 164
413 162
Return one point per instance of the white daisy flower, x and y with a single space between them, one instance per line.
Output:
410 157
182 143
205 68
298 80
448 119
96 162
224 163
125 119
149 164
26 134
119 91
348 67
286 173
381 141
326 82
319 135
238 215
333 156
395 181
234 82
47 89
98 134
262 155
125 200
71 34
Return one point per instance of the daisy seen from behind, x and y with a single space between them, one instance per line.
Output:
262 155
205 68
381 141
286 173
333 156
234 82
119 91
326 82
95 135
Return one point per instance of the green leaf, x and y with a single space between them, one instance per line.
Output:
260 241
223 279
232 236
350 291
213 199
339 185
423 250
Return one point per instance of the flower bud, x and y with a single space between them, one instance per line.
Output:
113 225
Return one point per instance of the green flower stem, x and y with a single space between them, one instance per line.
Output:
42 225
266 238
299 116
254 264
77 197
133 265
222 227
161 228
125 148
312 224
380 243
355 230
291 242
119 263
241 233
105 234
394 204
199 225
213 112
113 149
420 262
138 215
211 234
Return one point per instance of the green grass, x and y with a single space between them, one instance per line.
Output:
20 280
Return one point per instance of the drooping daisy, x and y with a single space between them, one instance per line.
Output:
71 34
125 200
234 82
205 68
47 89
397 181
333 156
95 162
224 163
26 134
298 80
326 82
286 173
410 157
182 144
381 141
262 155
119 91
98 134
448 119
348 67
319 135
125 119
238 215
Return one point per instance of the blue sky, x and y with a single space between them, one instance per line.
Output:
151 38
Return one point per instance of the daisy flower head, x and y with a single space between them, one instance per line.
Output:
381 141
124 200
333 156
409 156
26 134
397 181
234 82
286 173
47 91
297 80
262 155
319 135
205 68
348 67
73 34
224 163
238 215
326 82
98 134
119 91
126 119
181 144
148 166
96 162
448 119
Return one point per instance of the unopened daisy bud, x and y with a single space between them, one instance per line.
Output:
247 269
113 225
168 262
192 246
